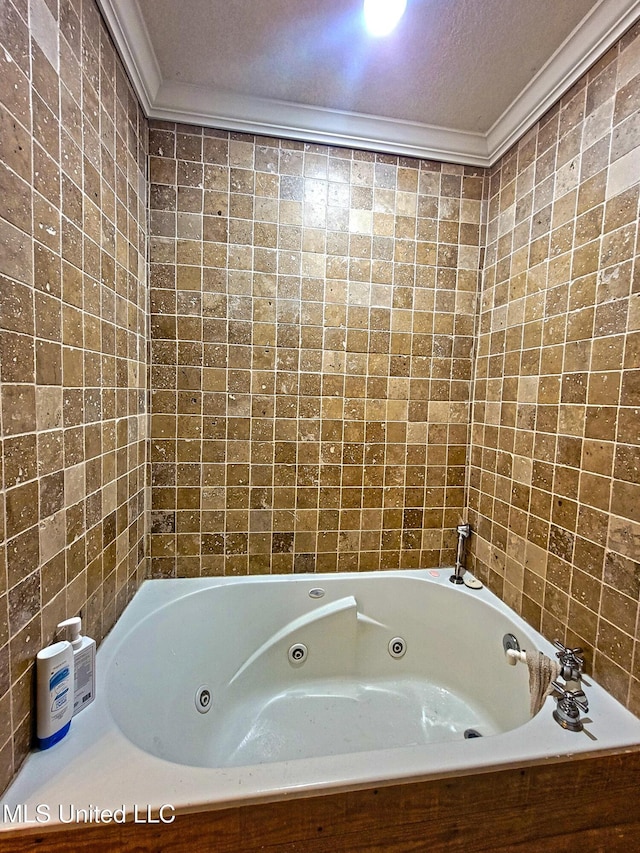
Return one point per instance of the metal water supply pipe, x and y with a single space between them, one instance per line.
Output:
464 531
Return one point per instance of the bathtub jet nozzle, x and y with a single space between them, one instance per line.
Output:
464 531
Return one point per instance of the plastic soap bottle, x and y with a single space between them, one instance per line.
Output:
54 677
84 660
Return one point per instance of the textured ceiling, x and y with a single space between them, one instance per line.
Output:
457 79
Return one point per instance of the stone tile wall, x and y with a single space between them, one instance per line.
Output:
312 335
72 340
555 446
312 323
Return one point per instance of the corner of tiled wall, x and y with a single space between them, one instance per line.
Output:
73 329
314 321
554 482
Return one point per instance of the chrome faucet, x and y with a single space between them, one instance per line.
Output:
464 531
571 699
570 703
571 665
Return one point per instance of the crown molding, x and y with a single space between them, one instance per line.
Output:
266 117
189 104
129 32
580 50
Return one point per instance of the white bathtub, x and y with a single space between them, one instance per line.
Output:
349 716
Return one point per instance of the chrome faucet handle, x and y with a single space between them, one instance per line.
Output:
570 703
571 661
574 696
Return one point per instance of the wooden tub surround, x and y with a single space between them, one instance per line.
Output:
589 804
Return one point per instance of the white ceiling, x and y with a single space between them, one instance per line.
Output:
459 80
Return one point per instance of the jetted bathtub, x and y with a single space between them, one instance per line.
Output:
215 691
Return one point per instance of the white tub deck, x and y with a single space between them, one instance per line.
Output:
166 755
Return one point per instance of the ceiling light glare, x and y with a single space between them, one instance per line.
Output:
382 16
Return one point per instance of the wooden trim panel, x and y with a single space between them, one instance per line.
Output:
589 804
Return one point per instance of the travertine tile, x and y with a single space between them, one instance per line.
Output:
330 385
317 260
72 338
580 517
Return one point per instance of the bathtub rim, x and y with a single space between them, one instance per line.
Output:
217 788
